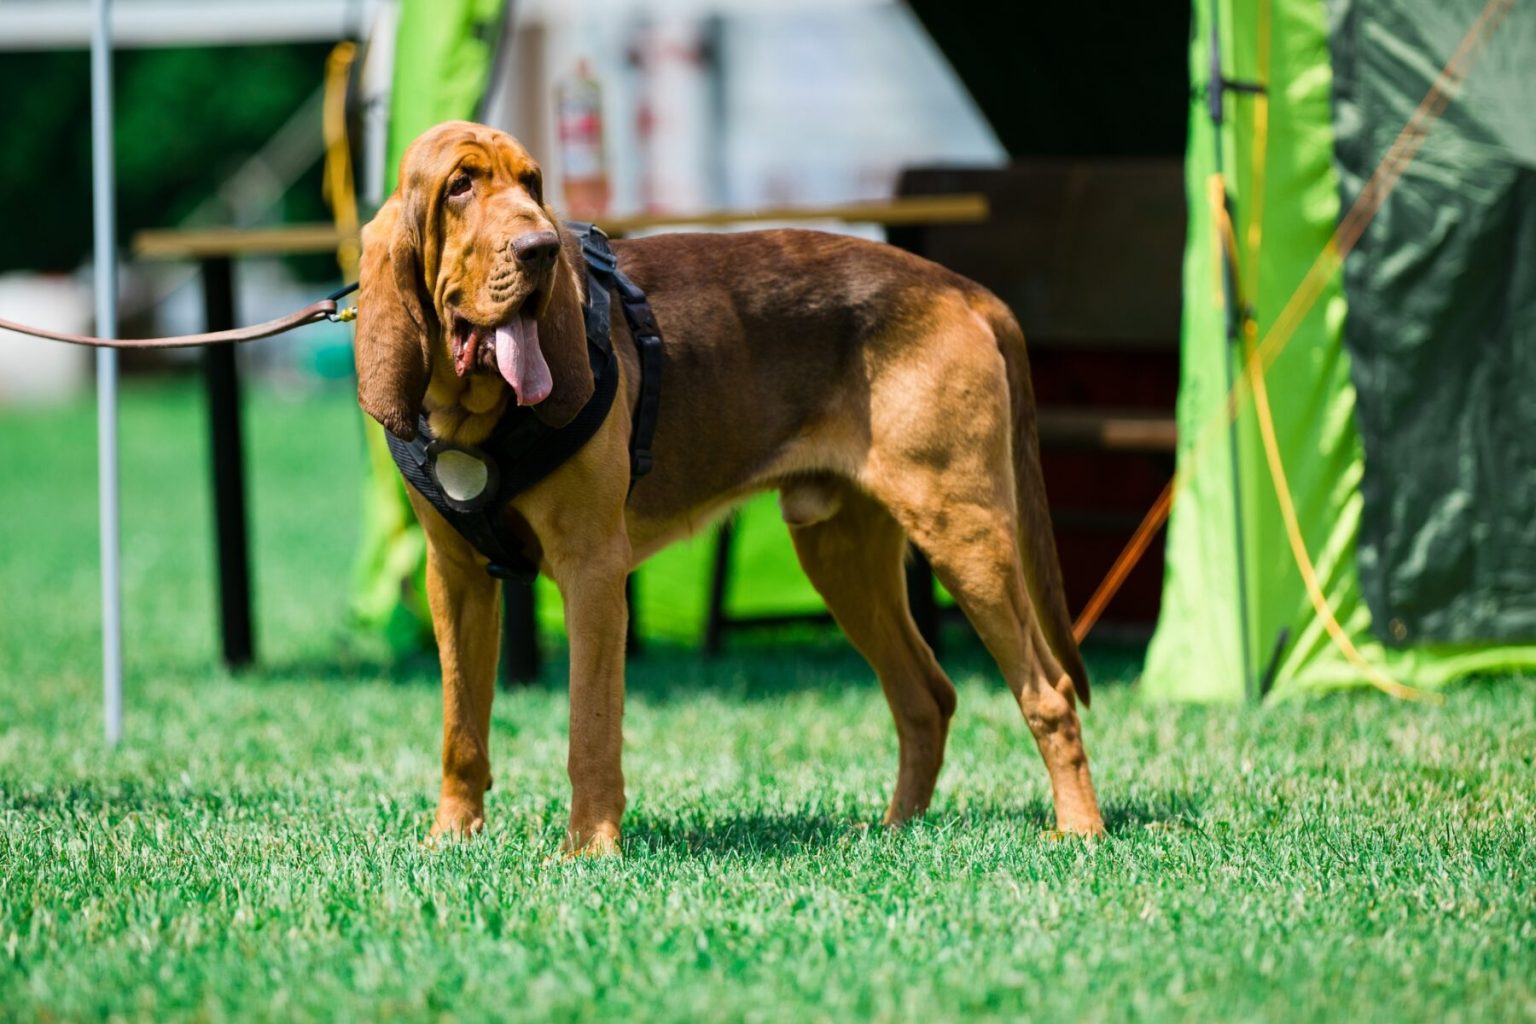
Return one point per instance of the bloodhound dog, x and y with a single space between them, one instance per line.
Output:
885 398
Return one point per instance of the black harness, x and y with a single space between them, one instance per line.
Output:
522 449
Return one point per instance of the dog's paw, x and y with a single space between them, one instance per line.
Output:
602 841
1090 830
457 821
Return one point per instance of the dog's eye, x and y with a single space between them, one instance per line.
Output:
460 185
535 187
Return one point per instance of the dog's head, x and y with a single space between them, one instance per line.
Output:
463 273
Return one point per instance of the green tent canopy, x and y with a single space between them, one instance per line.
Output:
1404 399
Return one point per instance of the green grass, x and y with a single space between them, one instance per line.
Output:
254 850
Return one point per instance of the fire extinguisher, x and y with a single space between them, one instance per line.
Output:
579 124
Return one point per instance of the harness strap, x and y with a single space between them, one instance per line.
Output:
475 527
603 270
647 336
524 450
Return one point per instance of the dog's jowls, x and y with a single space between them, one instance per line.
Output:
887 399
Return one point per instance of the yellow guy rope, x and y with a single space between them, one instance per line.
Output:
338 188
1260 153
1373 675
1283 498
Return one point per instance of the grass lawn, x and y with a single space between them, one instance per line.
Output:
254 850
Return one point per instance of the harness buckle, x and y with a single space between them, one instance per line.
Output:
594 246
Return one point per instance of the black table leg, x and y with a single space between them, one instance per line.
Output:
223 389
519 634
921 598
632 642
520 658
720 576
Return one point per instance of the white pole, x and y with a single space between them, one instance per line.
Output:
106 369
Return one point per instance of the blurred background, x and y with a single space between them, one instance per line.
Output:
1157 191
704 104
1068 121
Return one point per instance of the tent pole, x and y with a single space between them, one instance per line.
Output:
1215 97
106 370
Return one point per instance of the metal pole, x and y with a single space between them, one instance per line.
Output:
106 370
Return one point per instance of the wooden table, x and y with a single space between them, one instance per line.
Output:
292 239
215 249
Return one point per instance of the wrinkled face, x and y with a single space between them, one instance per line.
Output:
489 251
462 274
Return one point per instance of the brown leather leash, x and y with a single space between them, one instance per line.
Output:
323 309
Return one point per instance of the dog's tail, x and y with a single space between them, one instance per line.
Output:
1037 542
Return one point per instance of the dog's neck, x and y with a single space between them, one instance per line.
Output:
464 410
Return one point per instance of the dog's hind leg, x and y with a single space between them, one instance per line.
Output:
976 561
853 556
943 462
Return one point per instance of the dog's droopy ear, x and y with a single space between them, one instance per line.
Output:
392 343
563 338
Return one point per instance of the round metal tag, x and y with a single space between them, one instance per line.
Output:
465 476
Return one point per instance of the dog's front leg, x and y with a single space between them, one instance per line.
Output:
465 603
596 617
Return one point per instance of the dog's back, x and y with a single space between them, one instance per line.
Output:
773 341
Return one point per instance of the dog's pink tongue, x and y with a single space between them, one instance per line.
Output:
521 361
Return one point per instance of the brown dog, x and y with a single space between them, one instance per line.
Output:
883 396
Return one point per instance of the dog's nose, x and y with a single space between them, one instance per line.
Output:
537 249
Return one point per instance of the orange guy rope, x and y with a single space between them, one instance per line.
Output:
1150 524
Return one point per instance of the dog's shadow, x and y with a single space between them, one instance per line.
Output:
659 671
747 835
820 659
769 835
766 668
349 663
